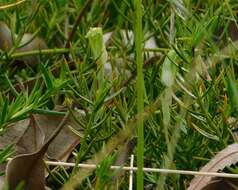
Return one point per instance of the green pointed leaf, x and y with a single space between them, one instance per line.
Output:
169 69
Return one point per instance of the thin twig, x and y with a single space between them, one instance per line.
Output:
39 52
11 5
131 173
157 170
80 16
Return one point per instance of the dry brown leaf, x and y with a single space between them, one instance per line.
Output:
221 184
29 168
224 158
65 142
32 139
13 133
29 134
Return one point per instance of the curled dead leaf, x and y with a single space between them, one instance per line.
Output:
32 139
13 133
29 168
221 184
65 142
224 158
29 134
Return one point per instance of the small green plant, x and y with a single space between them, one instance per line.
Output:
178 59
104 173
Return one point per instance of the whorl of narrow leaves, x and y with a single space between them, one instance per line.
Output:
169 69
95 38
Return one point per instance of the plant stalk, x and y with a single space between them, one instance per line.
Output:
138 33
